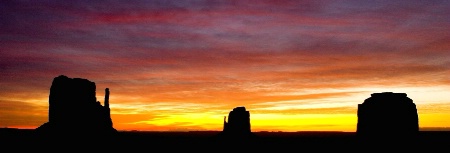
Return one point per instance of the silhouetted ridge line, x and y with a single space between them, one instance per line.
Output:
74 109
387 118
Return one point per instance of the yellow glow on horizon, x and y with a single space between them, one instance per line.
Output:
434 120
305 122
185 118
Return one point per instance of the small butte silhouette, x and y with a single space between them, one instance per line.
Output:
75 111
238 125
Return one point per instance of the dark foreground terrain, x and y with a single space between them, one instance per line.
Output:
212 141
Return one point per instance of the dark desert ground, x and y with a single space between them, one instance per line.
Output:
18 139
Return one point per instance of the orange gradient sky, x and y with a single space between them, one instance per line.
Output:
183 65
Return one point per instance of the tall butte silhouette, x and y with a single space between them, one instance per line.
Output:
75 111
387 118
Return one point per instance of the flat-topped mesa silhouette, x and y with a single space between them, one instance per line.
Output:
387 117
238 121
74 109
238 124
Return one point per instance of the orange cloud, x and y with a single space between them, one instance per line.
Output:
17 114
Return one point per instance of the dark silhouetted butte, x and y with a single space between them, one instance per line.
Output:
75 111
387 118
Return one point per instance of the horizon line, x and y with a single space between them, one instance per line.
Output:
261 131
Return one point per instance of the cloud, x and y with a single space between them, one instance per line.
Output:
328 110
430 108
22 114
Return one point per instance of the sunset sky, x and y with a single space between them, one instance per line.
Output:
183 65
